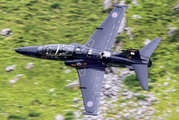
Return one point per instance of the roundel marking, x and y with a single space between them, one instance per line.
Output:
114 14
89 104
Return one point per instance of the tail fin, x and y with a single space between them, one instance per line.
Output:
141 70
147 50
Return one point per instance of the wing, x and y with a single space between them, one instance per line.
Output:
91 80
104 36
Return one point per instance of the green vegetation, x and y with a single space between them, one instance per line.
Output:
119 38
157 16
132 83
34 114
140 97
36 22
69 115
174 37
55 5
17 117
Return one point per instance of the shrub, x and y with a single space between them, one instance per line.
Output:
34 114
119 39
55 5
17 117
131 81
176 68
174 37
75 1
122 100
69 115
128 2
175 13
133 84
140 97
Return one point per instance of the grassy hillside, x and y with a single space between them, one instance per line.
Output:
36 22
156 17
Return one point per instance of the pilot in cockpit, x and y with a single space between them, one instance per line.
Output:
58 50
50 49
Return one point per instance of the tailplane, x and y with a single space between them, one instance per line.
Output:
141 70
147 50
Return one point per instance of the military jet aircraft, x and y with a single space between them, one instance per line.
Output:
91 59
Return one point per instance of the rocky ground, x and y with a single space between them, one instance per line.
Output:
116 101
130 105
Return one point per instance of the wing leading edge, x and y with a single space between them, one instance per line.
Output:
91 80
104 36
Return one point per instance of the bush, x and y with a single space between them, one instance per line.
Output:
128 2
140 97
122 100
108 10
133 84
131 81
75 1
55 5
16 117
34 114
175 13
150 87
69 115
174 37
119 39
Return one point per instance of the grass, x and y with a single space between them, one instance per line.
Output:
156 16
36 22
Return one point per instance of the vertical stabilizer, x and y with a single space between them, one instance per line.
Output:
141 70
147 50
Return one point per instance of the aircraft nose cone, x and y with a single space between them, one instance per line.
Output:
31 51
17 50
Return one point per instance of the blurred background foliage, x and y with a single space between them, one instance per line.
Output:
35 22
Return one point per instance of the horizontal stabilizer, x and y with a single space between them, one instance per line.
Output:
89 113
141 71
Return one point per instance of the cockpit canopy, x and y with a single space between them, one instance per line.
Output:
58 50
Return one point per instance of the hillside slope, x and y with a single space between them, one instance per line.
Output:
41 93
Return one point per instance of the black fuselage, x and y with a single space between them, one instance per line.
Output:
76 55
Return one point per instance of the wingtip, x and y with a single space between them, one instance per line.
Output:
144 86
89 113
158 39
